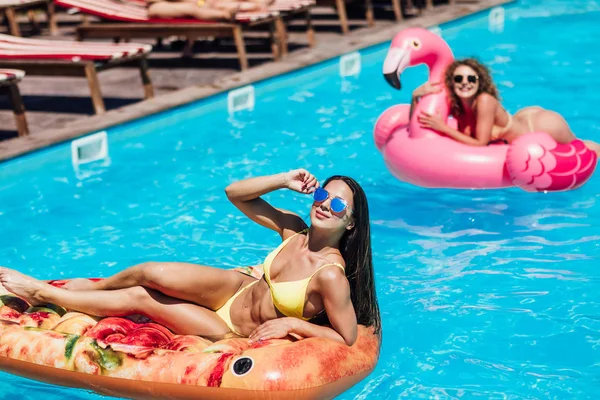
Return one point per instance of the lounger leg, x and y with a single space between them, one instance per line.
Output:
13 25
18 108
148 89
188 48
310 30
397 10
94 84
274 36
412 9
341 9
369 14
33 20
430 4
52 26
238 38
281 32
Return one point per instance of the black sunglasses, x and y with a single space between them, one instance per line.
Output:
470 78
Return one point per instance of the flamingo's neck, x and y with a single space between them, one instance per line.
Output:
437 69
436 103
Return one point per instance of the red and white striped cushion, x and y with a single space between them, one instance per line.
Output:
278 5
12 47
14 3
7 74
109 9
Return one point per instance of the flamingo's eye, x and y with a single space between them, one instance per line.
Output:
416 44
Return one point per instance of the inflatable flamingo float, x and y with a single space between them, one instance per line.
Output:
423 157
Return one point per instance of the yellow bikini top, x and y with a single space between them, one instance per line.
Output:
289 297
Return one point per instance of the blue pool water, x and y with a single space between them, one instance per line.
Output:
484 294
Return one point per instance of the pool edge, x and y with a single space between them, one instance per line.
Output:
324 51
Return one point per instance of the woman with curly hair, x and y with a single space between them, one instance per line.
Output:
482 120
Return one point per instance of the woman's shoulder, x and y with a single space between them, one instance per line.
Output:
332 267
334 259
331 276
486 99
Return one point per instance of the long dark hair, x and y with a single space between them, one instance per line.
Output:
486 84
355 247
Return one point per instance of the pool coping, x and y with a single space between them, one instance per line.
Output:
323 51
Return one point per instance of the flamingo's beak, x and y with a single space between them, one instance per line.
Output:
396 61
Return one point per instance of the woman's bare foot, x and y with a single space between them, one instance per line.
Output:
229 15
221 9
216 13
234 7
22 285
80 284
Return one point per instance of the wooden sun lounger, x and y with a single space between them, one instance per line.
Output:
288 9
9 9
127 20
64 58
340 6
9 80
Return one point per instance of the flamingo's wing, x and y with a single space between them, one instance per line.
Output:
536 162
390 120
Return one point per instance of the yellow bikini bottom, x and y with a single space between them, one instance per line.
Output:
224 312
201 3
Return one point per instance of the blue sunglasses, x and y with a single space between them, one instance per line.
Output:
337 204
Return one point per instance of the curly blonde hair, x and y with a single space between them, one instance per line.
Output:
485 83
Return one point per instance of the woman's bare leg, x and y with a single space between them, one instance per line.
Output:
262 3
165 9
537 119
205 286
179 316
234 6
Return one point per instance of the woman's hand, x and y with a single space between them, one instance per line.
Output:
300 180
427 88
274 329
430 121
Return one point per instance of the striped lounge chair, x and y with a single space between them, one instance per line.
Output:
126 19
340 7
9 80
65 58
9 9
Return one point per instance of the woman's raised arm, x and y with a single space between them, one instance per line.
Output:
245 195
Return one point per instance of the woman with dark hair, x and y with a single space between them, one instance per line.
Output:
482 120
325 270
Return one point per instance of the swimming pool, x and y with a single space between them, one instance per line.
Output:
483 293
